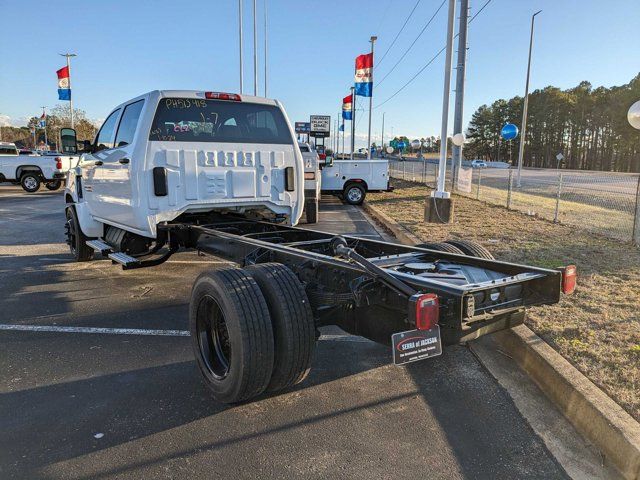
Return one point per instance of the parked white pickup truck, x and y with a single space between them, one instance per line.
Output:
167 154
31 171
352 179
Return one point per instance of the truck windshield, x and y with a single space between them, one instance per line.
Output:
197 120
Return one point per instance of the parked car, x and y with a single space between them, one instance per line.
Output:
478 164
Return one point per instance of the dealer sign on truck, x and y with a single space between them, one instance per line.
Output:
320 125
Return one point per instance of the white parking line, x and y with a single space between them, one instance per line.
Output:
143 331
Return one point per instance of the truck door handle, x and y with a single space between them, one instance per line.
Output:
98 163
124 161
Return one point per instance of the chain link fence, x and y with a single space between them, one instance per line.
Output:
602 202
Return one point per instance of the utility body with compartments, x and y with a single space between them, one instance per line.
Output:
223 174
312 181
354 178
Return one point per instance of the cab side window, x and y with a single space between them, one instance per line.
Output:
128 123
107 133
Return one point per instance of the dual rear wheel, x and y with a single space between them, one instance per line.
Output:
252 330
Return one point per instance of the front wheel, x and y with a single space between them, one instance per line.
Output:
354 194
55 185
76 240
30 182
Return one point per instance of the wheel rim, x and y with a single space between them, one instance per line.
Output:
213 337
354 194
30 183
70 230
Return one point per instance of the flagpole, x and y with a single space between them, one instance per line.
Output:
353 120
240 41
343 136
44 114
69 55
373 40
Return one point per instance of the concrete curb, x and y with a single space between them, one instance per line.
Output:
594 414
390 225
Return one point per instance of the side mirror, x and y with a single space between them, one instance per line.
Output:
68 141
87 147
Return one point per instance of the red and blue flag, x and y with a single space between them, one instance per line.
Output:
64 87
347 107
364 75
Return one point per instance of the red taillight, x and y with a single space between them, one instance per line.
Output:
424 310
222 96
58 163
569 279
309 175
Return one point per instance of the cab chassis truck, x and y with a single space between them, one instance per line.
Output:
254 326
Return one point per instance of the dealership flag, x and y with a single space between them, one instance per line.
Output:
347 107
64 92
364 75
43 120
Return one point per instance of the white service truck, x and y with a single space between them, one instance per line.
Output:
352 179
223 174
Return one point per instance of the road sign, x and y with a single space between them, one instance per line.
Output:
303 127
509 131
320 125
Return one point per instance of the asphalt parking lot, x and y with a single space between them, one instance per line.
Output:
127 401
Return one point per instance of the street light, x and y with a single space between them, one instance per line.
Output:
526 102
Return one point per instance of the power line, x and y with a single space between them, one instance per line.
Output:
414 42
398 34
430 61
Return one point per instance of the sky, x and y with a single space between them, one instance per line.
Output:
126 48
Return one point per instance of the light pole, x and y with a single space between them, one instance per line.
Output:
382 138
265 48
526 102
69 55
240 41
373 41
255 48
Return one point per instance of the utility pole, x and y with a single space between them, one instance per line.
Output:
526 103
241 48
456 159
69 55
265 48
255 49
372 40
353 120
439 208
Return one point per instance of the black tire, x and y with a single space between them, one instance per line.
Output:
55 185
311 211
30 182
441 247
76 240
231 334
354 194
292 320
469 247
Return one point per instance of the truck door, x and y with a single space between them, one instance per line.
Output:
93 163
114 179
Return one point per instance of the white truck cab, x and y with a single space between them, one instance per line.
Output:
312 181
174 152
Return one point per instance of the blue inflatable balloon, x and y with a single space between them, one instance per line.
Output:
509 131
